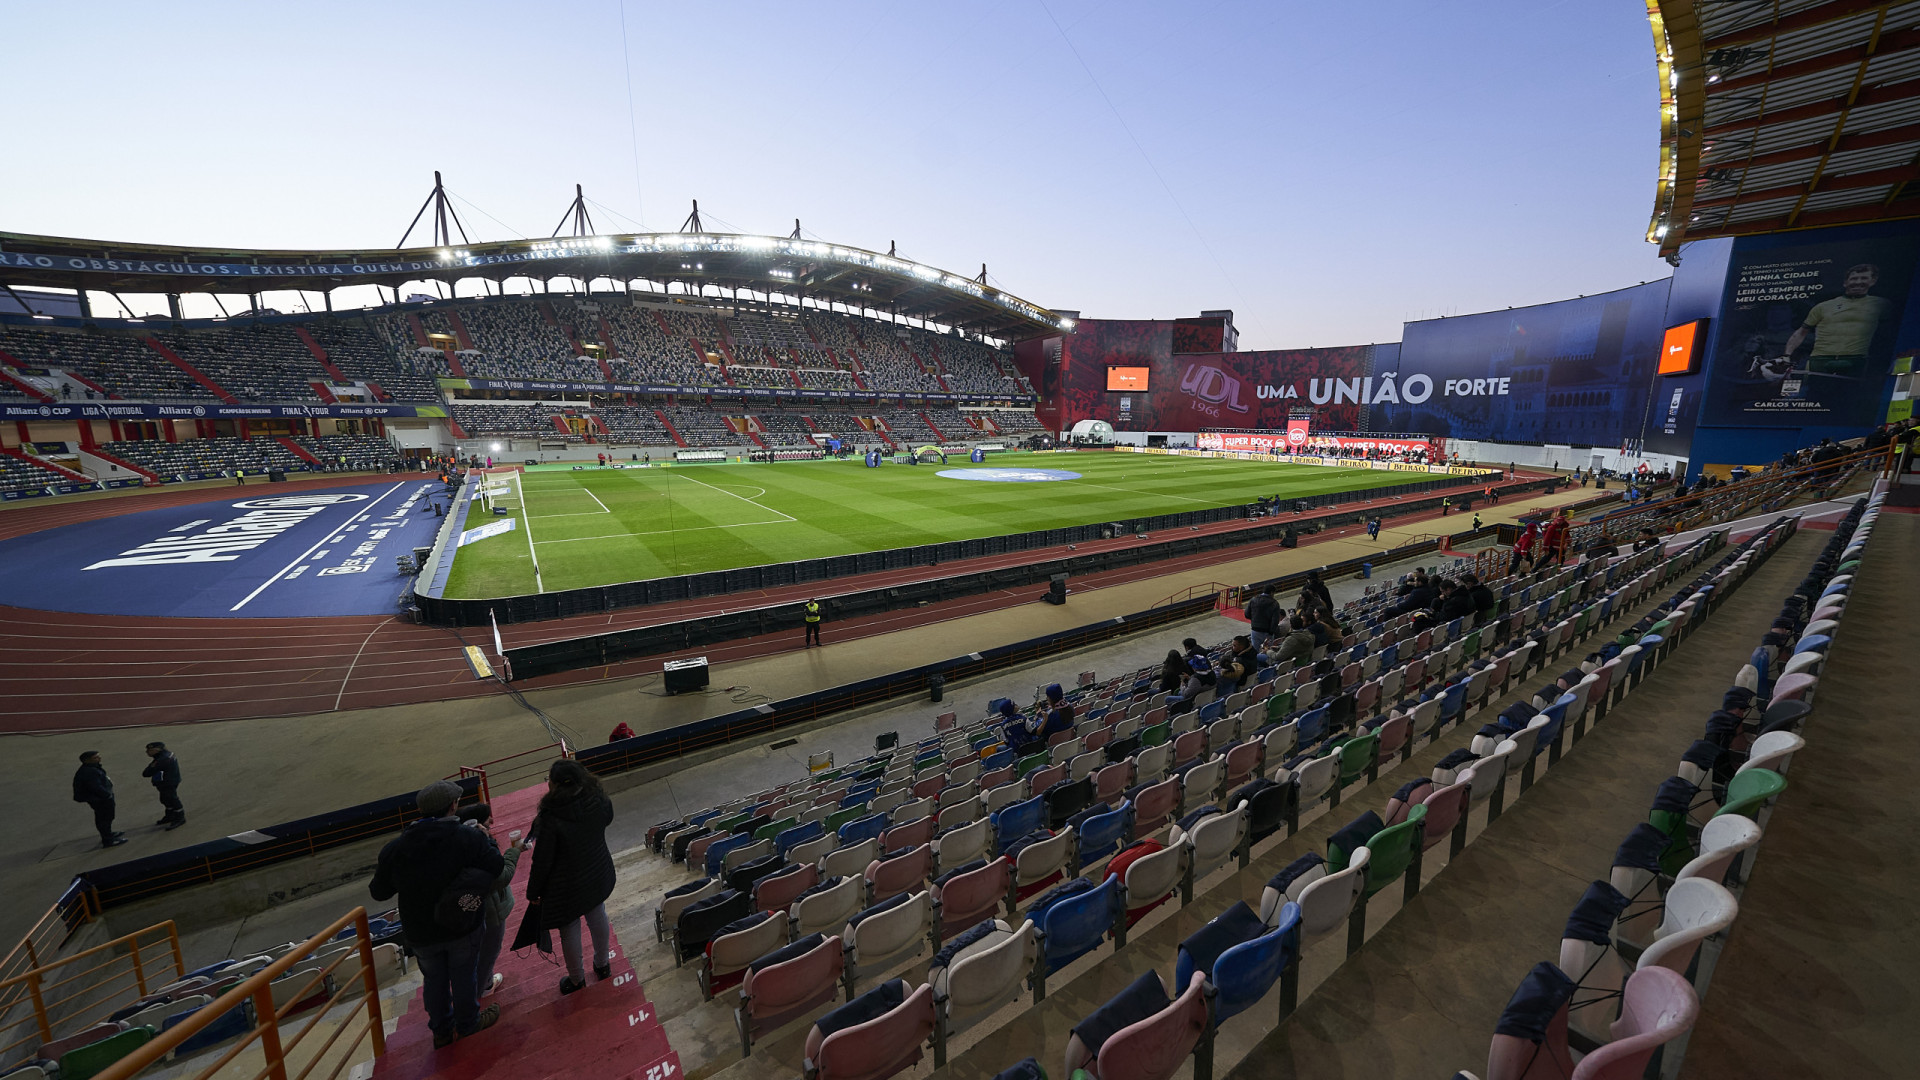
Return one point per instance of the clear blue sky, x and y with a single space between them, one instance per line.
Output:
1327 170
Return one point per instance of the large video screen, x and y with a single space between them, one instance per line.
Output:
1132 379
1680 349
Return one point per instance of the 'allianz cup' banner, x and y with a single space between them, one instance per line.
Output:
1575 371
129 410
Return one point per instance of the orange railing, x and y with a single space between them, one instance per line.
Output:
76 992
513 771
269 1020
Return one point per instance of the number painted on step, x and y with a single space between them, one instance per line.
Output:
660 1071
622 980
637 1018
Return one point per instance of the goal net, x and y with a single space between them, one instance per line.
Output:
500 490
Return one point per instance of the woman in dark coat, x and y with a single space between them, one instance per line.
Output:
572 873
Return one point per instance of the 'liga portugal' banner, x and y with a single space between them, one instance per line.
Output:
1297 433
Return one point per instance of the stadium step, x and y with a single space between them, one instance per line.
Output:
419 329
606 338
545 307
192 372
9 379
668 424
297 450
460 335
320 355
380 394
928 420
123 463
608 1029
321 390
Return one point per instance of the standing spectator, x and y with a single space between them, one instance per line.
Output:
811 611
164 771
572 872
1317 589
1553 542
422 866
92 785
1373 527
1263 615
1522 557
499 902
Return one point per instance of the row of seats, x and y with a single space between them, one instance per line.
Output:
1637 948
329 973
867 821
207 457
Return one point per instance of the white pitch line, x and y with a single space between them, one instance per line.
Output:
596 498
526 522
742 498
311 550
664 532
356 662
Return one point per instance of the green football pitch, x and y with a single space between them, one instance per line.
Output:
599 526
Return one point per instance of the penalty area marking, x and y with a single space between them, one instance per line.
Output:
744 499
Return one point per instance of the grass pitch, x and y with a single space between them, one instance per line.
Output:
603 526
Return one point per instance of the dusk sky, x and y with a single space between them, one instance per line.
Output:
1327 171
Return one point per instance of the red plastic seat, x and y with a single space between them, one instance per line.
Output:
887 878
968 898
787 991
887 1044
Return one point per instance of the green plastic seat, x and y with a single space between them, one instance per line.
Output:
1470 646
1392 849
1157 734
851 813
84 1062
1749 791
732 823
768 832
1356 757
1280 706
1580 622
1661 627
1031 762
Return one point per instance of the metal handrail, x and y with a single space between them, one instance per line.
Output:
487 772
34 985
258 989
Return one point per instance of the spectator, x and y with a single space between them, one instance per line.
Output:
1455 602
621 732
1553 542
1200 678
499 902
164 771
1522 557
1647 538
1373 527
1484 602
1263 615
92 785
1013 728
422 867
1298 645
1172 673
1317 589
1059 716
1602 547
1244 661
572 872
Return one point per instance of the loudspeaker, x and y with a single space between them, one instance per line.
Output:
276 476
1056 590
681 675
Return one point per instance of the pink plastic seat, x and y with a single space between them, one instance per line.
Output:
1444 807
968 898
1657 1008
912 834
1243 761
1793 687
1349 676
1096 739
1189 745
887 878
1112 781
1393 735
1154 804
1058 737
887 1044
929 787
776 893
778 993
993 778
1150 1049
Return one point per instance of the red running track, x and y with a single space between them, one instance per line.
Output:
66 672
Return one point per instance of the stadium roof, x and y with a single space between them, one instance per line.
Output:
1788 114
824 272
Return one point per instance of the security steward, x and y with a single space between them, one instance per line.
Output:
812 610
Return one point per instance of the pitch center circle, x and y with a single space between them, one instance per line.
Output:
1010 476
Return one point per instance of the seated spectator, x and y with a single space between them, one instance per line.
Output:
1602 547
1455 602
1298 644
1013 727
1646 539
1059 713
1484 602
1173 672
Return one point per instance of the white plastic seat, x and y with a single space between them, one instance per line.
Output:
1201 782
1152 878
893 934
1326 901
1723 839
985 975
1039 861
1696 908
731 953
1490 771
962 845
851 860
813 850
1150 763
1281 741
1215 839
1774 751
1315 779
827 911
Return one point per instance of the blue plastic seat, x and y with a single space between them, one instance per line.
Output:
717 851
866 828
1312 727
799 834
1452 700
1103 834
1075 926
1018 819
999 760
1556 715
1243 972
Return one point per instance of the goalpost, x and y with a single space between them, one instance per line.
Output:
500 490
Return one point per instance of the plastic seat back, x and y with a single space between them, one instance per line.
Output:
1392 850
813 850
1695 909
729 954
1243 974
1076 925
1155 1048
1201 782
1102 834
962 845
970 897
1017 820
1112 780
1326 901
913 834
1152 878
987 975
1750 790
1314 778
1189 746
745 853
1721 841
785 840
1657 1007
1243 761
776 893
1153 805
1040 862
1215 838
906 872
1445 806
888 934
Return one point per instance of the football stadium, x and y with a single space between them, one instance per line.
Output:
706 650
